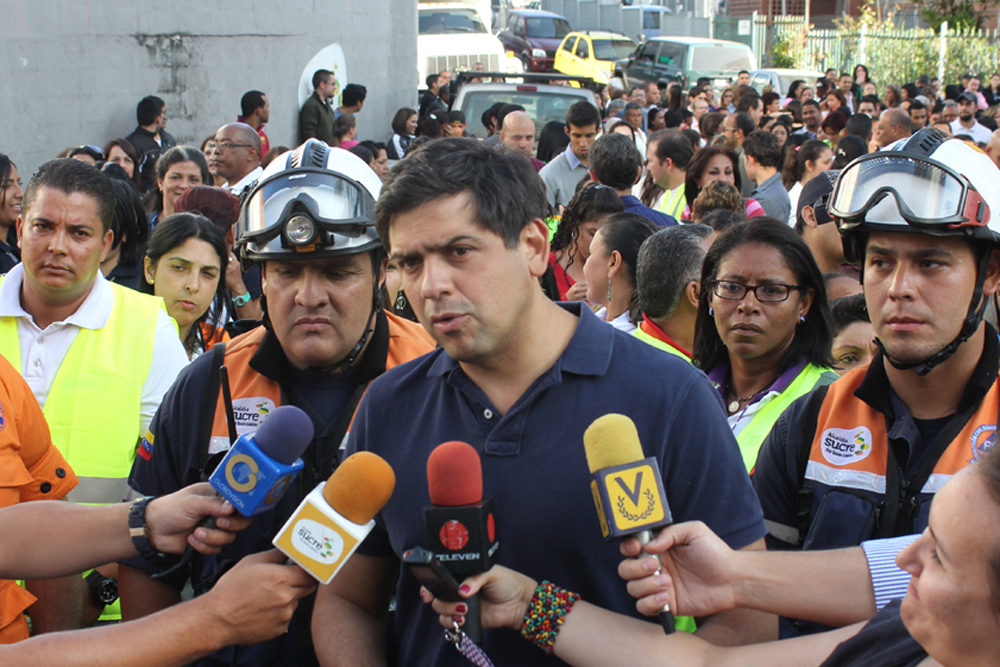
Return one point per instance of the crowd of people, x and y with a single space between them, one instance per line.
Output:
791 294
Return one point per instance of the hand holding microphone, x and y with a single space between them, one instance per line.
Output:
337 515
627 487
259 468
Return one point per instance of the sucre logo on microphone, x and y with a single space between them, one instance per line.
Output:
317 541
454 535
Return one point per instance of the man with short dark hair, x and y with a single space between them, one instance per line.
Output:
812 119
632 114
893 125
735 129
616 163
918 115
966 122
563 172
860 125
752 104
844 84
256 112
98 356
743 78
352 100
430 99
316 116
466 227
668 283
762 151
149 139
234 154
667 156
815 224
869 106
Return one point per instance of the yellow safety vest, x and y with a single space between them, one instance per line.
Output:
656 342
673 205
93 407
752 437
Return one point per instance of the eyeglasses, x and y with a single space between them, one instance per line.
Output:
770 293
224 145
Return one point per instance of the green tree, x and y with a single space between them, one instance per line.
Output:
960 14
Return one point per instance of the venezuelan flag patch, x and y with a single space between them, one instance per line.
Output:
146 446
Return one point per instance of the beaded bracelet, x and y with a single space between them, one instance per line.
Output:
546 613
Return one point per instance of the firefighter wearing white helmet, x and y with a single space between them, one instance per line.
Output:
309 222
863 457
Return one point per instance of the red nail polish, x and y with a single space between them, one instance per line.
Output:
461 609
460 620
464 588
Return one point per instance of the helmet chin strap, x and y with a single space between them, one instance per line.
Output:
972 321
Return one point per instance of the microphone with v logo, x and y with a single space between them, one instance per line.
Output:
627 488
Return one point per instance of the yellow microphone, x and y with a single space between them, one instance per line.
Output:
627 487
337 515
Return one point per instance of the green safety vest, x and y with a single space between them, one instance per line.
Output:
752 436
656 342
674 205
93 407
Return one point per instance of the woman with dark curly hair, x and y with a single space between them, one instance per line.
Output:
571 242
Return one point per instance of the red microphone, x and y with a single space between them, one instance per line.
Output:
460 524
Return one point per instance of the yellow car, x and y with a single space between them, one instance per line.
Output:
592 53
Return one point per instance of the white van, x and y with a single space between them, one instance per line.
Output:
455 36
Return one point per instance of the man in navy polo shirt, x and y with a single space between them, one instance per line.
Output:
519 378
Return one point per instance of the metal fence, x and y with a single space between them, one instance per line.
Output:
891 54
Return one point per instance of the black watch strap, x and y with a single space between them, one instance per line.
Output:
137 531
105 589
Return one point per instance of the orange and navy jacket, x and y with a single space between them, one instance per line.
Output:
839 465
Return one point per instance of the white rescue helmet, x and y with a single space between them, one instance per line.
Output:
314 201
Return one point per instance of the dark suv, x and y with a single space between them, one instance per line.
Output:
685 60
534 36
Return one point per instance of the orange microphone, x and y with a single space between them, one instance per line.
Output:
337 515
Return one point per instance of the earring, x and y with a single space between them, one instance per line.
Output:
802 318
609 291
711 312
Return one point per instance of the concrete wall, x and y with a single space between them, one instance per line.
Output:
72 71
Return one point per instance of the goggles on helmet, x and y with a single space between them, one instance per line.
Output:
898 187
307 210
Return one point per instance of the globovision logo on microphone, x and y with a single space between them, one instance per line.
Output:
241 473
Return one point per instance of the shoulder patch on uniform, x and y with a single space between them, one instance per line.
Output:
843 446
982 439
3 419
146 446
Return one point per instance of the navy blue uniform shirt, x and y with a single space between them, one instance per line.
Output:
535 467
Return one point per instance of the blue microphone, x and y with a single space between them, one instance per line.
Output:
261 465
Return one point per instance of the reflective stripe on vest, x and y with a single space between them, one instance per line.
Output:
255 396
657 343
94 404
753 434
96 396
849 448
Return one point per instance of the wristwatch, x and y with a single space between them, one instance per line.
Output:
105 588
242 300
